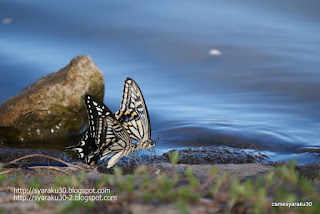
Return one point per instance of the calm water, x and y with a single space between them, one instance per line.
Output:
262 89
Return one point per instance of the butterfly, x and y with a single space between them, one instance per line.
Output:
108 133
133 114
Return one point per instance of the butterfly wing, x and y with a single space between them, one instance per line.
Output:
86 148
133 113
114 159
120 140
97 112
94 138
111 133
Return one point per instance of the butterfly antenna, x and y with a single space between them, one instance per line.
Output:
158 139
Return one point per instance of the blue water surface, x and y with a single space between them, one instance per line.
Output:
263 87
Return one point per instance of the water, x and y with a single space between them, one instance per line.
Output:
263 89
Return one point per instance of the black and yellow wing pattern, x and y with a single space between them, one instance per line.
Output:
133 113
112 134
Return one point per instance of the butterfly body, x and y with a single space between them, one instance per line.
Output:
112 134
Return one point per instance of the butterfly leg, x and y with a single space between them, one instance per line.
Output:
128 162
152 151
134 158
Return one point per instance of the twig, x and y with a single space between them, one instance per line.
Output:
206 183
253 145
45 156
275 188
49 167
12 170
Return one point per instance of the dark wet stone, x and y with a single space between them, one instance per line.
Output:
8 154
192 156
217 155
53 106
309 149
310 171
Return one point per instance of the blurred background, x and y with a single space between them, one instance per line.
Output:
232 73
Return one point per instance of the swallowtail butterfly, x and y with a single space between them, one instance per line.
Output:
108 133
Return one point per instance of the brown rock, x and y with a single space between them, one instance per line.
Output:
53 106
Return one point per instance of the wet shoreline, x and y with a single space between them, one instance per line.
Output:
197 155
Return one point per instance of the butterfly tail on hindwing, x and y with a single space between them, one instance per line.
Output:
114 159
